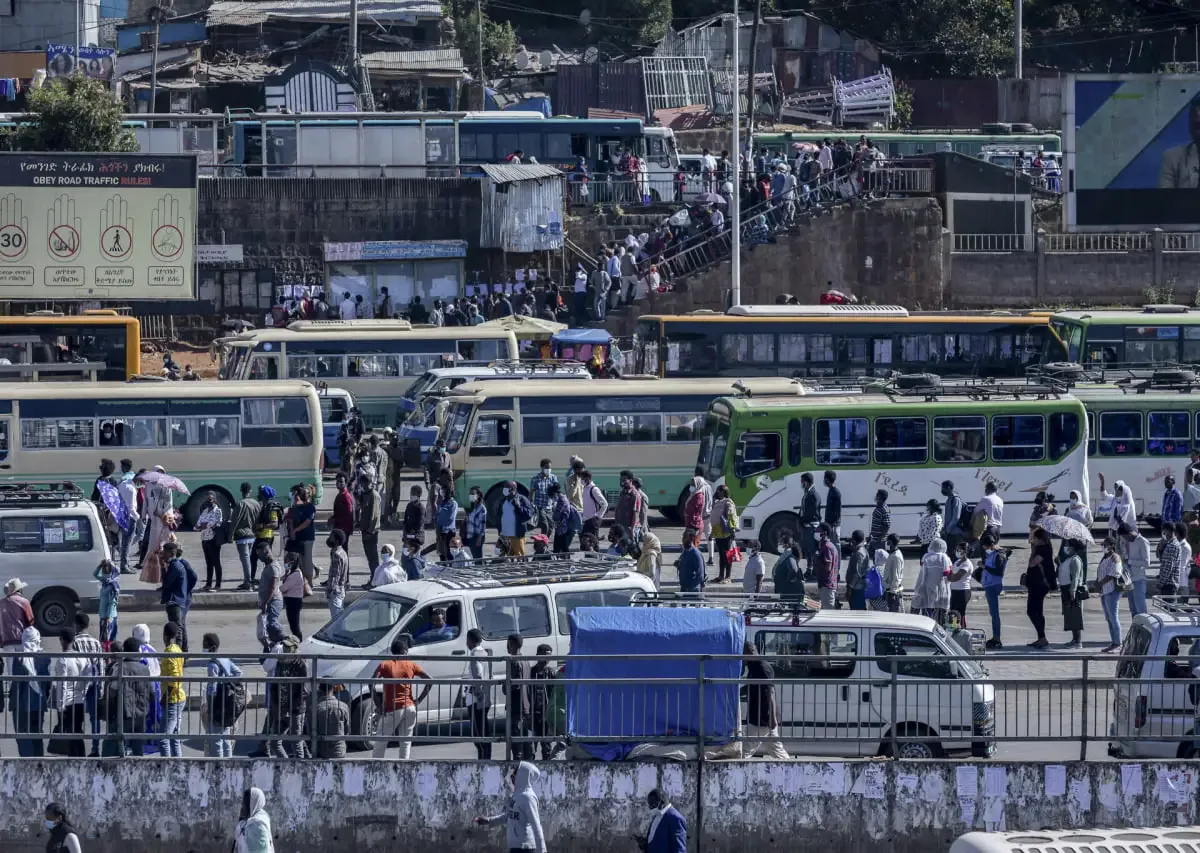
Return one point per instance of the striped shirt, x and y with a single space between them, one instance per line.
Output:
88 646
881 521
1170 563
1172 506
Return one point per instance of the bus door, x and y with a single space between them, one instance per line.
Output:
266 365
6 437
493 444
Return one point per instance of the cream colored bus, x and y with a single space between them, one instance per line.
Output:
501 430
211 435
375 360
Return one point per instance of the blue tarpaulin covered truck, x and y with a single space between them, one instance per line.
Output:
634 709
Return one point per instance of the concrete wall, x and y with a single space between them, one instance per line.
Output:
1041 278
191 805
282 223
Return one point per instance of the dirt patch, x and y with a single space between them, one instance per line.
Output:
202 362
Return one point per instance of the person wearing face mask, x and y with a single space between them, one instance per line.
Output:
516 516
476 524
522 818
667 832
389 570
211 538
539 491
1120 506
63 837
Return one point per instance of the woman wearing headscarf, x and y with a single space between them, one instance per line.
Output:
141 633
930 526
110 591
1070 578
29 696
253 833
1120 506
931 593
63 837
1041 576
161 520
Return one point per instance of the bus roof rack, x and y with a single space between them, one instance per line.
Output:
361 325
932 387
531 569
817 310
38 493
1175 604
749 604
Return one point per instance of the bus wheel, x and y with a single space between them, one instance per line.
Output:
777 526
191 509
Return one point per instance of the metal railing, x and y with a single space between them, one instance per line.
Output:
1115 242
984 243
908 706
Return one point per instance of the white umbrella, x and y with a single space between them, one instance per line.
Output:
1065 528
173 483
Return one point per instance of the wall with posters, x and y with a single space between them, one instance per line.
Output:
1132 145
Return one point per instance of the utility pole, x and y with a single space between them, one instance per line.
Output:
482 76
156 16
750 87
78 30
1017 63
735 199
354 37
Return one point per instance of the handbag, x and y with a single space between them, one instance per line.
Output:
1082 593
874 584
734 555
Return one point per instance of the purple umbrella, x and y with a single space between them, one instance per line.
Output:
711 198
112 500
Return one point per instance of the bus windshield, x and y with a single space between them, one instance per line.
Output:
1069 340
714 441
456 425
236 356
423 383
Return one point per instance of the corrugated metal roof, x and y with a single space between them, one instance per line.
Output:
507 173
244 13
437 59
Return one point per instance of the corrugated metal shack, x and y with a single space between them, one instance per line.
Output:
522 209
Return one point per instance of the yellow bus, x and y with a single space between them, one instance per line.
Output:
211 435
500 430
375 360
839 340
100 344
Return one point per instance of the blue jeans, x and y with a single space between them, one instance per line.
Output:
243 550
89 700
992 593
172 747
219 748
125 541
1137 598
274 610
1112 615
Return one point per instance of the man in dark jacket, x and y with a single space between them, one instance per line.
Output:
178 582
789 582
520 709
667 832
691 565
810 517
126 699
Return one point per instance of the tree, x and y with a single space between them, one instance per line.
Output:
74 114
499 42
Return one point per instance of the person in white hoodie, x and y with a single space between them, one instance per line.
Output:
522 820
253 833
389 569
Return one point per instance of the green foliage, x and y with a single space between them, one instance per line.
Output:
499 42
903 104
76 114
931 38
651 17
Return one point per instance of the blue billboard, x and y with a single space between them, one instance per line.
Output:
1132 145
94 62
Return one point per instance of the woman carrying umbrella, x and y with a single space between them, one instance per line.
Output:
162 519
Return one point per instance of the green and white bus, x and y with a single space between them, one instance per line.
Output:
914 143
1153 335
501 430
907 445
375 360
211 435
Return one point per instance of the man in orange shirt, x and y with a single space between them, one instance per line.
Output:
398 716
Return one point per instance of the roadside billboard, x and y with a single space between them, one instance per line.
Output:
97 226
1132 151
94 62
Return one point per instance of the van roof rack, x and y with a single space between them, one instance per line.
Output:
749 604
532 569
39 493
1175 605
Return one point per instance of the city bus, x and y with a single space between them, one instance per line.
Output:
375 360
99 344
501 430
838 340
914 143
211 435
907 444
1153 335
1177 839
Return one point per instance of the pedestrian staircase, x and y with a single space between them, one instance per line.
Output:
859 102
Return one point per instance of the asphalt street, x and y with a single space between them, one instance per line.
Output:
1037 691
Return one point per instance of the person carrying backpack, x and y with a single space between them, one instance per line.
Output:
516 519
224 699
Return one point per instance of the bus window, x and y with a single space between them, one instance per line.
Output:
744 349
264 367
493 436
682 427
560 429
1091 428
795 443
1018 438
917 349
618 429
1152 344
902 441
692 357
1191 344
1121 434
1168 434
455 426
842 441
756 453
1064 434
959 438
558 147
3 439
484 351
